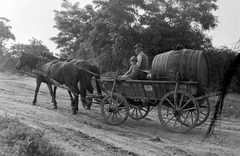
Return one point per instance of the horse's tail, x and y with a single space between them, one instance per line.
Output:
229 73
83 83
96 72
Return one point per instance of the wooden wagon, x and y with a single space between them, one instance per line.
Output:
178 94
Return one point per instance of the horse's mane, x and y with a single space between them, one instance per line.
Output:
51 57
32 59
230 72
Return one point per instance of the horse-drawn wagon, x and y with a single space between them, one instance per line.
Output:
177 86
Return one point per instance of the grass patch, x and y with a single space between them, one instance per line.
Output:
19 139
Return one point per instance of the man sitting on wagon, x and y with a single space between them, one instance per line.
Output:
142 61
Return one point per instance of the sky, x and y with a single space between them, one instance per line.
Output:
35 19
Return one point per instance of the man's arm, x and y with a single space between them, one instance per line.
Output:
139 57
129 71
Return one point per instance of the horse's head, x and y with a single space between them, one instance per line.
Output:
23 59
27 59
41 62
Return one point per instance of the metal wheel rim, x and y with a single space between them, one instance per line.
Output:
181 119
117 112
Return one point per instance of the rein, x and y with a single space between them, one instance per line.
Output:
91 72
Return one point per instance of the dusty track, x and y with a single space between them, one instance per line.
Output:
87 134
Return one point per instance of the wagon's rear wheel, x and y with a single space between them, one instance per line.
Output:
115 109
204 111
138 112
178 111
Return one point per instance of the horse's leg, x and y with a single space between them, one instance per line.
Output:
38 84
99 90
53 96
76 102
71 97
54 91
83 95
75 91
90 90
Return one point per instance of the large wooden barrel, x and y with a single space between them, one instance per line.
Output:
191 65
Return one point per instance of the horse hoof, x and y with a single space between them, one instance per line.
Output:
33 104
74 113
54 107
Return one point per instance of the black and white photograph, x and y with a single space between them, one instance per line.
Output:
119 78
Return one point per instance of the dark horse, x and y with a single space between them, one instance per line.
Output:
60 71
92 70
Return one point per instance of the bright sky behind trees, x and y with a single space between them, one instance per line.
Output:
35 18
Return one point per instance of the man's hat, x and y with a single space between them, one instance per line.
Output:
138 45
133 58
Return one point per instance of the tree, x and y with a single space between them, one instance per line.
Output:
35 47
108 32
175 22
5 34
73 26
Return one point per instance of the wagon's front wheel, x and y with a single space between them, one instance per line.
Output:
115 109
178 111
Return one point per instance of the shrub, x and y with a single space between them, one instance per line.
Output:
25 141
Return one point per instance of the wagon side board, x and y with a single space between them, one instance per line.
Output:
147 89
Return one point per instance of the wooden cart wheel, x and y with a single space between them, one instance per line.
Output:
178 111
138 112
114 110
204 112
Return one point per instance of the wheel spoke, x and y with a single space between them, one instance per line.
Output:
119 114
170 119
109 115
191 117
203 113
137 113
181 100
140 112
113 116
175 124
170 102
143 109
166 114
167 108
133 111
189 109
186 103
185 119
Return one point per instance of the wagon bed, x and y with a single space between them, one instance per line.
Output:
180 104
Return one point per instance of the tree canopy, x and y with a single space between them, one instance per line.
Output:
35 47
106 32
5 33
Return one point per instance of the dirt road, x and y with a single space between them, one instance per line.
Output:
87 134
